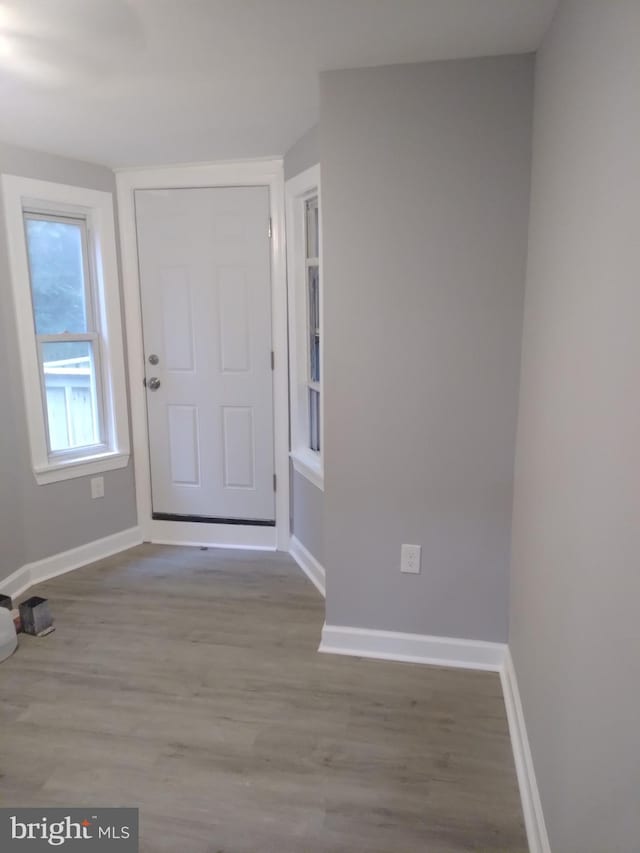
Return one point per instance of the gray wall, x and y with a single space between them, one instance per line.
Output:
38 521
425 183
575 587
303 154
307 515
307 501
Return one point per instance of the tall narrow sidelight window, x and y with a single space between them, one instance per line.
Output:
312 264
304 262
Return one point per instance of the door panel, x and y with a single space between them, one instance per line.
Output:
239 443
184 450
204 261
233 321
177 318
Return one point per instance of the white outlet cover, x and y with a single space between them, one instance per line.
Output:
410 559
97 487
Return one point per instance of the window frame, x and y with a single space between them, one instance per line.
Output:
26 196
298 190
91 336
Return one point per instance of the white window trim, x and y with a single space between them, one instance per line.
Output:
305 461
20 193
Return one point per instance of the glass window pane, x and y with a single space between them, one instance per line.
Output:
314 298
315 358
314 419
314 322
57 415
57 276
312 227
71 394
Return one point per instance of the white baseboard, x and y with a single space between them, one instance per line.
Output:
529 794
412 648
42 570
200 543
308 563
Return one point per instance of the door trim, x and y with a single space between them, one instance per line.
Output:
229 174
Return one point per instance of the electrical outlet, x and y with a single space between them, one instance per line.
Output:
410 559
97 487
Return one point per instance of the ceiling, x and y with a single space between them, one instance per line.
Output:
143 82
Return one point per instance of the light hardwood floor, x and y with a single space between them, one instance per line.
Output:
187 683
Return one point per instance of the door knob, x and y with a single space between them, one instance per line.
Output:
153 384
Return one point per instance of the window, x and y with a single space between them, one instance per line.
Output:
305 323
312 268
66 292
66 335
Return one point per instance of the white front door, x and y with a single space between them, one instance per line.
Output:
205 281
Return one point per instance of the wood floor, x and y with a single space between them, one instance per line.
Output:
187 683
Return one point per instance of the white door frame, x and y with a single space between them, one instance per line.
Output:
242 173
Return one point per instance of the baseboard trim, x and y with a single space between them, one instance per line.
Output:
412 648
224 546
308 563
529 793
58 564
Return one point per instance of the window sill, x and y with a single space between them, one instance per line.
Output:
83 467
308 464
